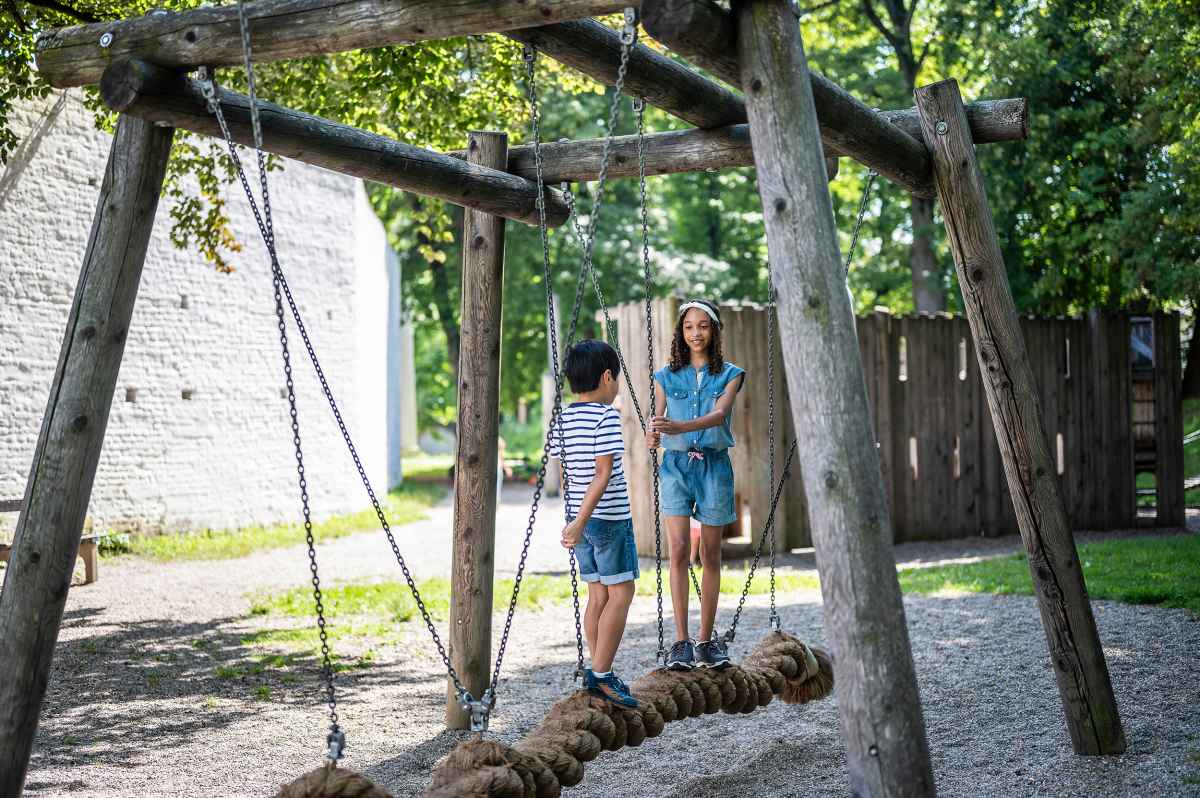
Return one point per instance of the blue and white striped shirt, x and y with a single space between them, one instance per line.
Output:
591 430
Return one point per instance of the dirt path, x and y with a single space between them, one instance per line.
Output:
156 690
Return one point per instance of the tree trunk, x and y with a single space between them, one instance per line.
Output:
929 293
442 299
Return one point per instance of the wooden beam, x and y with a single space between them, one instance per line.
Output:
10 505
1075 650
68 448
595 50
725 147
161 96
676 151
705 33
281 29
880 708
474 532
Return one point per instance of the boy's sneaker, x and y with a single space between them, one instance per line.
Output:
682 656
611 688
712 654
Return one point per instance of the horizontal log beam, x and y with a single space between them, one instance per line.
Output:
150 92
595 50
725 147
666 153
282 29
705 34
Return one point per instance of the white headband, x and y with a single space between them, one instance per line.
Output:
700 306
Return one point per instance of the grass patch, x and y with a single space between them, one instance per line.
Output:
394 601
1159 571
403 505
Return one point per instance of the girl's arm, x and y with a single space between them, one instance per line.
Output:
716 418
654 438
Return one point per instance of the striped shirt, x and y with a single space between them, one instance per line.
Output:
591 430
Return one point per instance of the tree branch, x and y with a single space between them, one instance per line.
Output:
818 7
16 13
66 10
878 23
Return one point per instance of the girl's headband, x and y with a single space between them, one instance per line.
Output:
701 306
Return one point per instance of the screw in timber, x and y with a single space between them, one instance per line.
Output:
106 39
941 128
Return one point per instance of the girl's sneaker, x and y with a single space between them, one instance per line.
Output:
611 688
712 654
682 656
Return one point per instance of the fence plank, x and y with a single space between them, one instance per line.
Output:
1168 420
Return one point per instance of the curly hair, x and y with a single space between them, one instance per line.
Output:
681 355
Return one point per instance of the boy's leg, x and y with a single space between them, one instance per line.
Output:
679 544
611 626
710 584
597 599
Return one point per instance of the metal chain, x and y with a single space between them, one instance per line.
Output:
335 739
862 211
773 616
787 470
769 530
530 56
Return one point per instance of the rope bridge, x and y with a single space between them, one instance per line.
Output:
579 727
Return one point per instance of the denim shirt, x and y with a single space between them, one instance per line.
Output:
687 401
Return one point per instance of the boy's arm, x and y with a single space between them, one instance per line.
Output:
574 530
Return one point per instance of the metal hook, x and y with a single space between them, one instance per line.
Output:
479 710
335 743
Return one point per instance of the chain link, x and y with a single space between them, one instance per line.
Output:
858 222
773 616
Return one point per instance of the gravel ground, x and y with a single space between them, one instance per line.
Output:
136 707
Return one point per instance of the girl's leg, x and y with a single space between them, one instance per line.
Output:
597 600
678 538
611 625
710 584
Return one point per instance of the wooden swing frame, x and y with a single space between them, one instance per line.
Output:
787 123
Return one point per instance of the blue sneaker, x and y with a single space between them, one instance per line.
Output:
612 689
712 654
682 656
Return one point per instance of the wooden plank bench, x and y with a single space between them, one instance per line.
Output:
89 545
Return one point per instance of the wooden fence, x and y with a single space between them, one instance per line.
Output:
940 460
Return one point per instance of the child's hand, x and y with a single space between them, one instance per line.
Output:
653 439
665 426
571 534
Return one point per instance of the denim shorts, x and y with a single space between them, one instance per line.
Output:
607 553
700 487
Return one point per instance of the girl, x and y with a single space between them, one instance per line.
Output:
691 421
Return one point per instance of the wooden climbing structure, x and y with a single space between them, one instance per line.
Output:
774 113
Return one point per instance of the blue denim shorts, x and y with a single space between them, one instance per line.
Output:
607 553
700 487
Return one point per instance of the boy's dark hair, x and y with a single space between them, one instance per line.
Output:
587 361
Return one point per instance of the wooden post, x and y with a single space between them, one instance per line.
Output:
478 431
887 753
68 448
1075 650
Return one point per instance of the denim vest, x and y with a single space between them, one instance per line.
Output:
686 401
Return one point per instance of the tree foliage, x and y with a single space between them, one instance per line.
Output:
1100 207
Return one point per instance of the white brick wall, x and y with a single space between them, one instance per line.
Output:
224 457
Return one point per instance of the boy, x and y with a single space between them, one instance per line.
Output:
600 526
